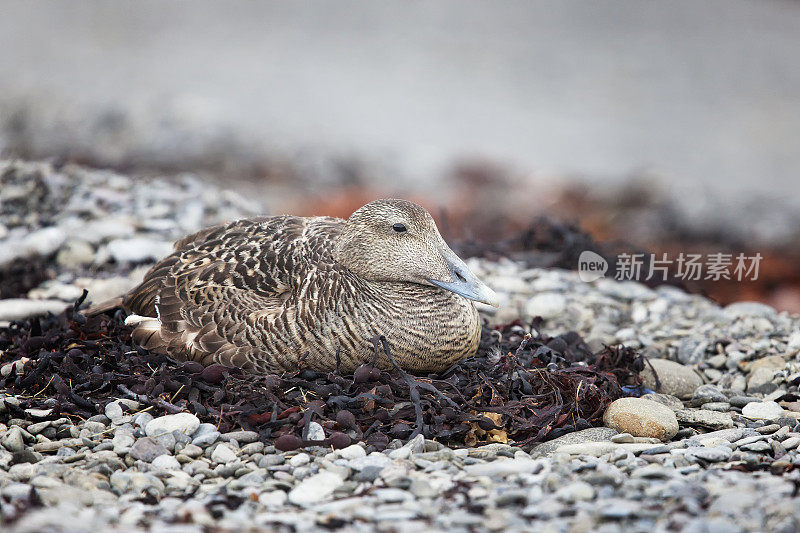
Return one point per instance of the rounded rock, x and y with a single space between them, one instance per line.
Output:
673 378
762 411
354 451
166 462
641 418
186 423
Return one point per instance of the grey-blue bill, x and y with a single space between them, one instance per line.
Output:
465 283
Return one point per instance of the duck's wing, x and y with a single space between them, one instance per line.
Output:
204 299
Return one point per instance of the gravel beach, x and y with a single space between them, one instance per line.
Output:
713 448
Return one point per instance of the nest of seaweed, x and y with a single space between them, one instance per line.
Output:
522 387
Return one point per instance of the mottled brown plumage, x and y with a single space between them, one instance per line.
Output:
274 293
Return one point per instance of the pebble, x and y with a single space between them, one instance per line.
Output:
166 462
113 411
707 394
273 498
75 253
192 451
791 443
242 437
301 459
748 309
374 459
354 451
41 242
206 439
758 446
186 423
762 411
665 399
641 418
712 454
722 407
503 467
315 489
761 381
415 445
146 449
621 438
142 419
315 432
12 440
704 419
595 449
122 442
674 379
223 454
576 437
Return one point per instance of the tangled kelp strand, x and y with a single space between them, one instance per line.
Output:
523 385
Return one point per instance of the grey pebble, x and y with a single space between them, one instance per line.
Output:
146 449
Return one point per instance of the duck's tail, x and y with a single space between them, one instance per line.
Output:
108 305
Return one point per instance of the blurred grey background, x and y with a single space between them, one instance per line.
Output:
700 97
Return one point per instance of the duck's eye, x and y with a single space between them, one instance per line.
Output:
399 228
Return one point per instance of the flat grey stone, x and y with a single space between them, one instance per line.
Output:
576 437
206 439
704 419
242 437
730 435
146 449
711 454
706 394
503 467
595 449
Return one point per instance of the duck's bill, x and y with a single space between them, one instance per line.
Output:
470 287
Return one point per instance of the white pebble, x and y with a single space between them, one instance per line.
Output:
223 454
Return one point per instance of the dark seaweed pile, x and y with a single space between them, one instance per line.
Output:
544 243
522 387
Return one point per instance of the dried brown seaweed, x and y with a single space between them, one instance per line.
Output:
522 384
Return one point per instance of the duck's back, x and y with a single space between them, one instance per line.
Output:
211 293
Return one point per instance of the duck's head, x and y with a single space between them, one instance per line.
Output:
397 240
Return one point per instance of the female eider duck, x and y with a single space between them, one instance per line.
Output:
272 294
